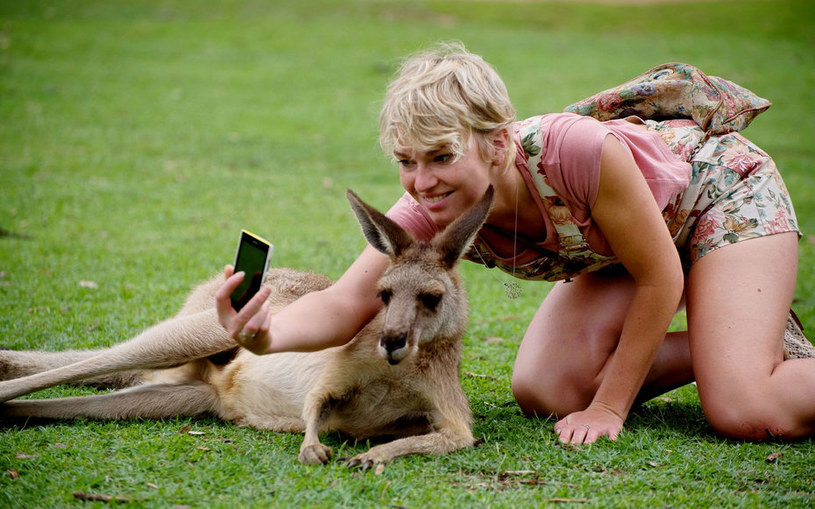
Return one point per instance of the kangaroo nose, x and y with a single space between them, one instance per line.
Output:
392 343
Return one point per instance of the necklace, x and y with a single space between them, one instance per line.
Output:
512 289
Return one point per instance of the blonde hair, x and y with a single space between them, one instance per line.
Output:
444 97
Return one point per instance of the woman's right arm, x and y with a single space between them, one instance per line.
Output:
317 320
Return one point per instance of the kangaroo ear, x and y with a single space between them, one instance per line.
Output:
457 237
383 234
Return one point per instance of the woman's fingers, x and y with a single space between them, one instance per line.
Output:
571 434
256 320
223 301
576 434
584 428
250 327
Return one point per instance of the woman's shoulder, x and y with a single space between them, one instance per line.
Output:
554 128
555 121
565 148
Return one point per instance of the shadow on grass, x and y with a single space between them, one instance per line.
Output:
658 414
665 416
662 417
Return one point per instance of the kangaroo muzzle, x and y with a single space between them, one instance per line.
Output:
393 346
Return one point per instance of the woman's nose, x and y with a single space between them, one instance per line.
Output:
425 178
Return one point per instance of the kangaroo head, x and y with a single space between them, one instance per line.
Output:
423 297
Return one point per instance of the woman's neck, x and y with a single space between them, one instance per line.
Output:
514 208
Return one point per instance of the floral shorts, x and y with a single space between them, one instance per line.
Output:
735 192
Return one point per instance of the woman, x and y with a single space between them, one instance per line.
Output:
587 203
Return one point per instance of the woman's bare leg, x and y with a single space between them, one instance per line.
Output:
738 298
574 333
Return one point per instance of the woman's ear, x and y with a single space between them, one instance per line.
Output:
499 141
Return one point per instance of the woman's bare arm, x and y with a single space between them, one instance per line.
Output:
632 223
317 320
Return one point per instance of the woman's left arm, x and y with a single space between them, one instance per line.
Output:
628 216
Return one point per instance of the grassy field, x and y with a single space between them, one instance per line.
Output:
138 137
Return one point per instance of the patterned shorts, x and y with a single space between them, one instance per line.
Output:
735 192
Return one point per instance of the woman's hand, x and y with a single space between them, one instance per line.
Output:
249 327
585 427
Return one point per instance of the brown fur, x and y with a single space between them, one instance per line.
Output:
187 365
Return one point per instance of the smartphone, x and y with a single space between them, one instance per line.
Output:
253 259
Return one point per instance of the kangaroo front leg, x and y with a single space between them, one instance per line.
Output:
169 343
152 401
315 411
438 442
450 421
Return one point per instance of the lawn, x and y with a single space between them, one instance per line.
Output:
138 137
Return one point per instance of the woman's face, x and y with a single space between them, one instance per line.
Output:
444 188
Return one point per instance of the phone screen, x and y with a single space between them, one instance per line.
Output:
253 259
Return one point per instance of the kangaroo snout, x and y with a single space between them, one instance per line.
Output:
393 346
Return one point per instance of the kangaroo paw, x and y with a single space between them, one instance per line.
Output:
366 461
363 464
315 454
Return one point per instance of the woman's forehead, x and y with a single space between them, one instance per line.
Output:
407 150
459 145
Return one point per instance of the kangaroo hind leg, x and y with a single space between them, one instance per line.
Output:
151 401
169 343
438 442
20 363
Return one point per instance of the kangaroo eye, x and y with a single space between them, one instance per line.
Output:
430 300
385 296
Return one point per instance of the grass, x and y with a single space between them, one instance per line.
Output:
138 137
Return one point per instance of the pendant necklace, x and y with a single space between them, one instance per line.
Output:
512 289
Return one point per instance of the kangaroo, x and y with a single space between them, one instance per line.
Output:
398 377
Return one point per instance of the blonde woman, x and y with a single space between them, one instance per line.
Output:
586 203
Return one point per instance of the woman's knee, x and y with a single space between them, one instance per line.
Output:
568 343
531 397
542 395
746 418
558 376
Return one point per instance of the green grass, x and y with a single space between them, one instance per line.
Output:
137 138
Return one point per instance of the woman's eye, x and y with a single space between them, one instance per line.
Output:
443 158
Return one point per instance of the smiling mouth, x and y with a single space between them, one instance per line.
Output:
437 198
